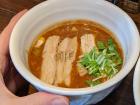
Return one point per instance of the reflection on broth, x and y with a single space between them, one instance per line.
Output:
75 54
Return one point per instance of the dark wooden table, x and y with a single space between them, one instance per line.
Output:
123 95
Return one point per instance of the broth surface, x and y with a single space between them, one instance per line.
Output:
70 29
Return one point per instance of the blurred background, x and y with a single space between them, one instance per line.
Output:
132 6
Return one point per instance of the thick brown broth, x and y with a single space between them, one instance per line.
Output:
65 30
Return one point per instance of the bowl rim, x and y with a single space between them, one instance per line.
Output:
66 91
136 83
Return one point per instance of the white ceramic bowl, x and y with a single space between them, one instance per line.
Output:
136 83
52 11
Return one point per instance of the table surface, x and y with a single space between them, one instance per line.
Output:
123 95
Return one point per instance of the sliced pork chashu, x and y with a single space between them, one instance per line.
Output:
66 55
48 68
61 52
87 44
70 58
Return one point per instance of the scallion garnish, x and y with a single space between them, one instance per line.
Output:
102 62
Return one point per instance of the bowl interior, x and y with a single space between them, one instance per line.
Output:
53 11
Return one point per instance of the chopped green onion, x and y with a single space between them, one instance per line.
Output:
102 61
100 45
93 83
